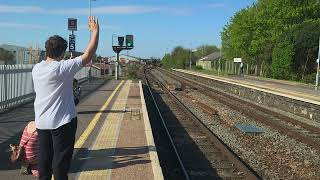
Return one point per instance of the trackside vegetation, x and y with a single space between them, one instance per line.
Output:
279 37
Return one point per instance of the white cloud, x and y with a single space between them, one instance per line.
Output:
127 9
20 9
108 10
21 25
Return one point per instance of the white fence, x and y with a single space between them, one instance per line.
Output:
16 85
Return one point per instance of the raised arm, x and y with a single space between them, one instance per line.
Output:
93 44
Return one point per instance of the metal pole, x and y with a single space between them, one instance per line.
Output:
190 59
89 8
219 62
317 78
117 65
5 81
71 54
190 55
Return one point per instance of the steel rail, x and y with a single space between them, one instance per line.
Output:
166 129
245 108
249 173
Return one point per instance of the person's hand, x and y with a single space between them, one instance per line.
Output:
93 25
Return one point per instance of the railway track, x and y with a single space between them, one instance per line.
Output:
297 130
201 154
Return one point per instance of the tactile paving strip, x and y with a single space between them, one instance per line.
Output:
99 161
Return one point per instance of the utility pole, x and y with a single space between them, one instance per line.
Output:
219 69
317 78
190 59
117 65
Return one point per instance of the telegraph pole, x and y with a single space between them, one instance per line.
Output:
317 78
219 69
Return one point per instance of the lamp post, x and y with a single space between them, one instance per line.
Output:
90 6
219 69
191 51
317 78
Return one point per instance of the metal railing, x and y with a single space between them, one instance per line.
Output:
16 86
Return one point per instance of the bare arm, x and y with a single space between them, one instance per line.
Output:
93 44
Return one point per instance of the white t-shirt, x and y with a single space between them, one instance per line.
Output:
53 83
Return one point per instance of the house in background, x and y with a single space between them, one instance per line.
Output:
23 55
124 59
208 61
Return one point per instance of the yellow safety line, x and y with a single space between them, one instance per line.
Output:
95 120
84 136
106 139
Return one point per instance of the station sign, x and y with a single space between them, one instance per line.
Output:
237 60
72 24
72 42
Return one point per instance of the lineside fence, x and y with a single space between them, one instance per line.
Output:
233 68
16 86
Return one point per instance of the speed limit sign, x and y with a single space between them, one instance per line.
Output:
72 42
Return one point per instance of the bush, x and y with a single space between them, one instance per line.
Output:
310 78
282 60
199 68
133 71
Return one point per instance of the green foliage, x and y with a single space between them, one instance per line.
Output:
282 60
6 56
199 68
133 70
180 57
254 32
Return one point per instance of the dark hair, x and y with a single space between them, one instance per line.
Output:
55 46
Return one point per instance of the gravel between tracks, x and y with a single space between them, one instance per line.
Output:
271 154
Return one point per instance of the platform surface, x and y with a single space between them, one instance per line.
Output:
113 139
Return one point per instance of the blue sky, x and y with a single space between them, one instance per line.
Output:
158 25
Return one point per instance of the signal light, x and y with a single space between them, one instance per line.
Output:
129 40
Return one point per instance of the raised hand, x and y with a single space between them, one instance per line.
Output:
93 24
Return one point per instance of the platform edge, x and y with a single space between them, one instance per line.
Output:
156 168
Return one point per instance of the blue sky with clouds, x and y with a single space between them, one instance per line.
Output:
158 25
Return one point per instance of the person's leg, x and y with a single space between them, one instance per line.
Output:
63 144
45 154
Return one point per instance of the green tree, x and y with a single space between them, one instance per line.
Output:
253 32
282 60
204 50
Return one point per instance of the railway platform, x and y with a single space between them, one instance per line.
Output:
113 141
294 90
292 99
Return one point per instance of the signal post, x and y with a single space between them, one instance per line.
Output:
122 43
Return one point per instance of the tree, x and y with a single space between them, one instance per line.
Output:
204 50
253 32
282 60
6 56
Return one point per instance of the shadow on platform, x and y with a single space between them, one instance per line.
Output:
113 158
104 111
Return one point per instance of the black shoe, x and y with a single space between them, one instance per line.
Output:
24 170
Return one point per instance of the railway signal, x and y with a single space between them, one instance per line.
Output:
118 45
129 40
